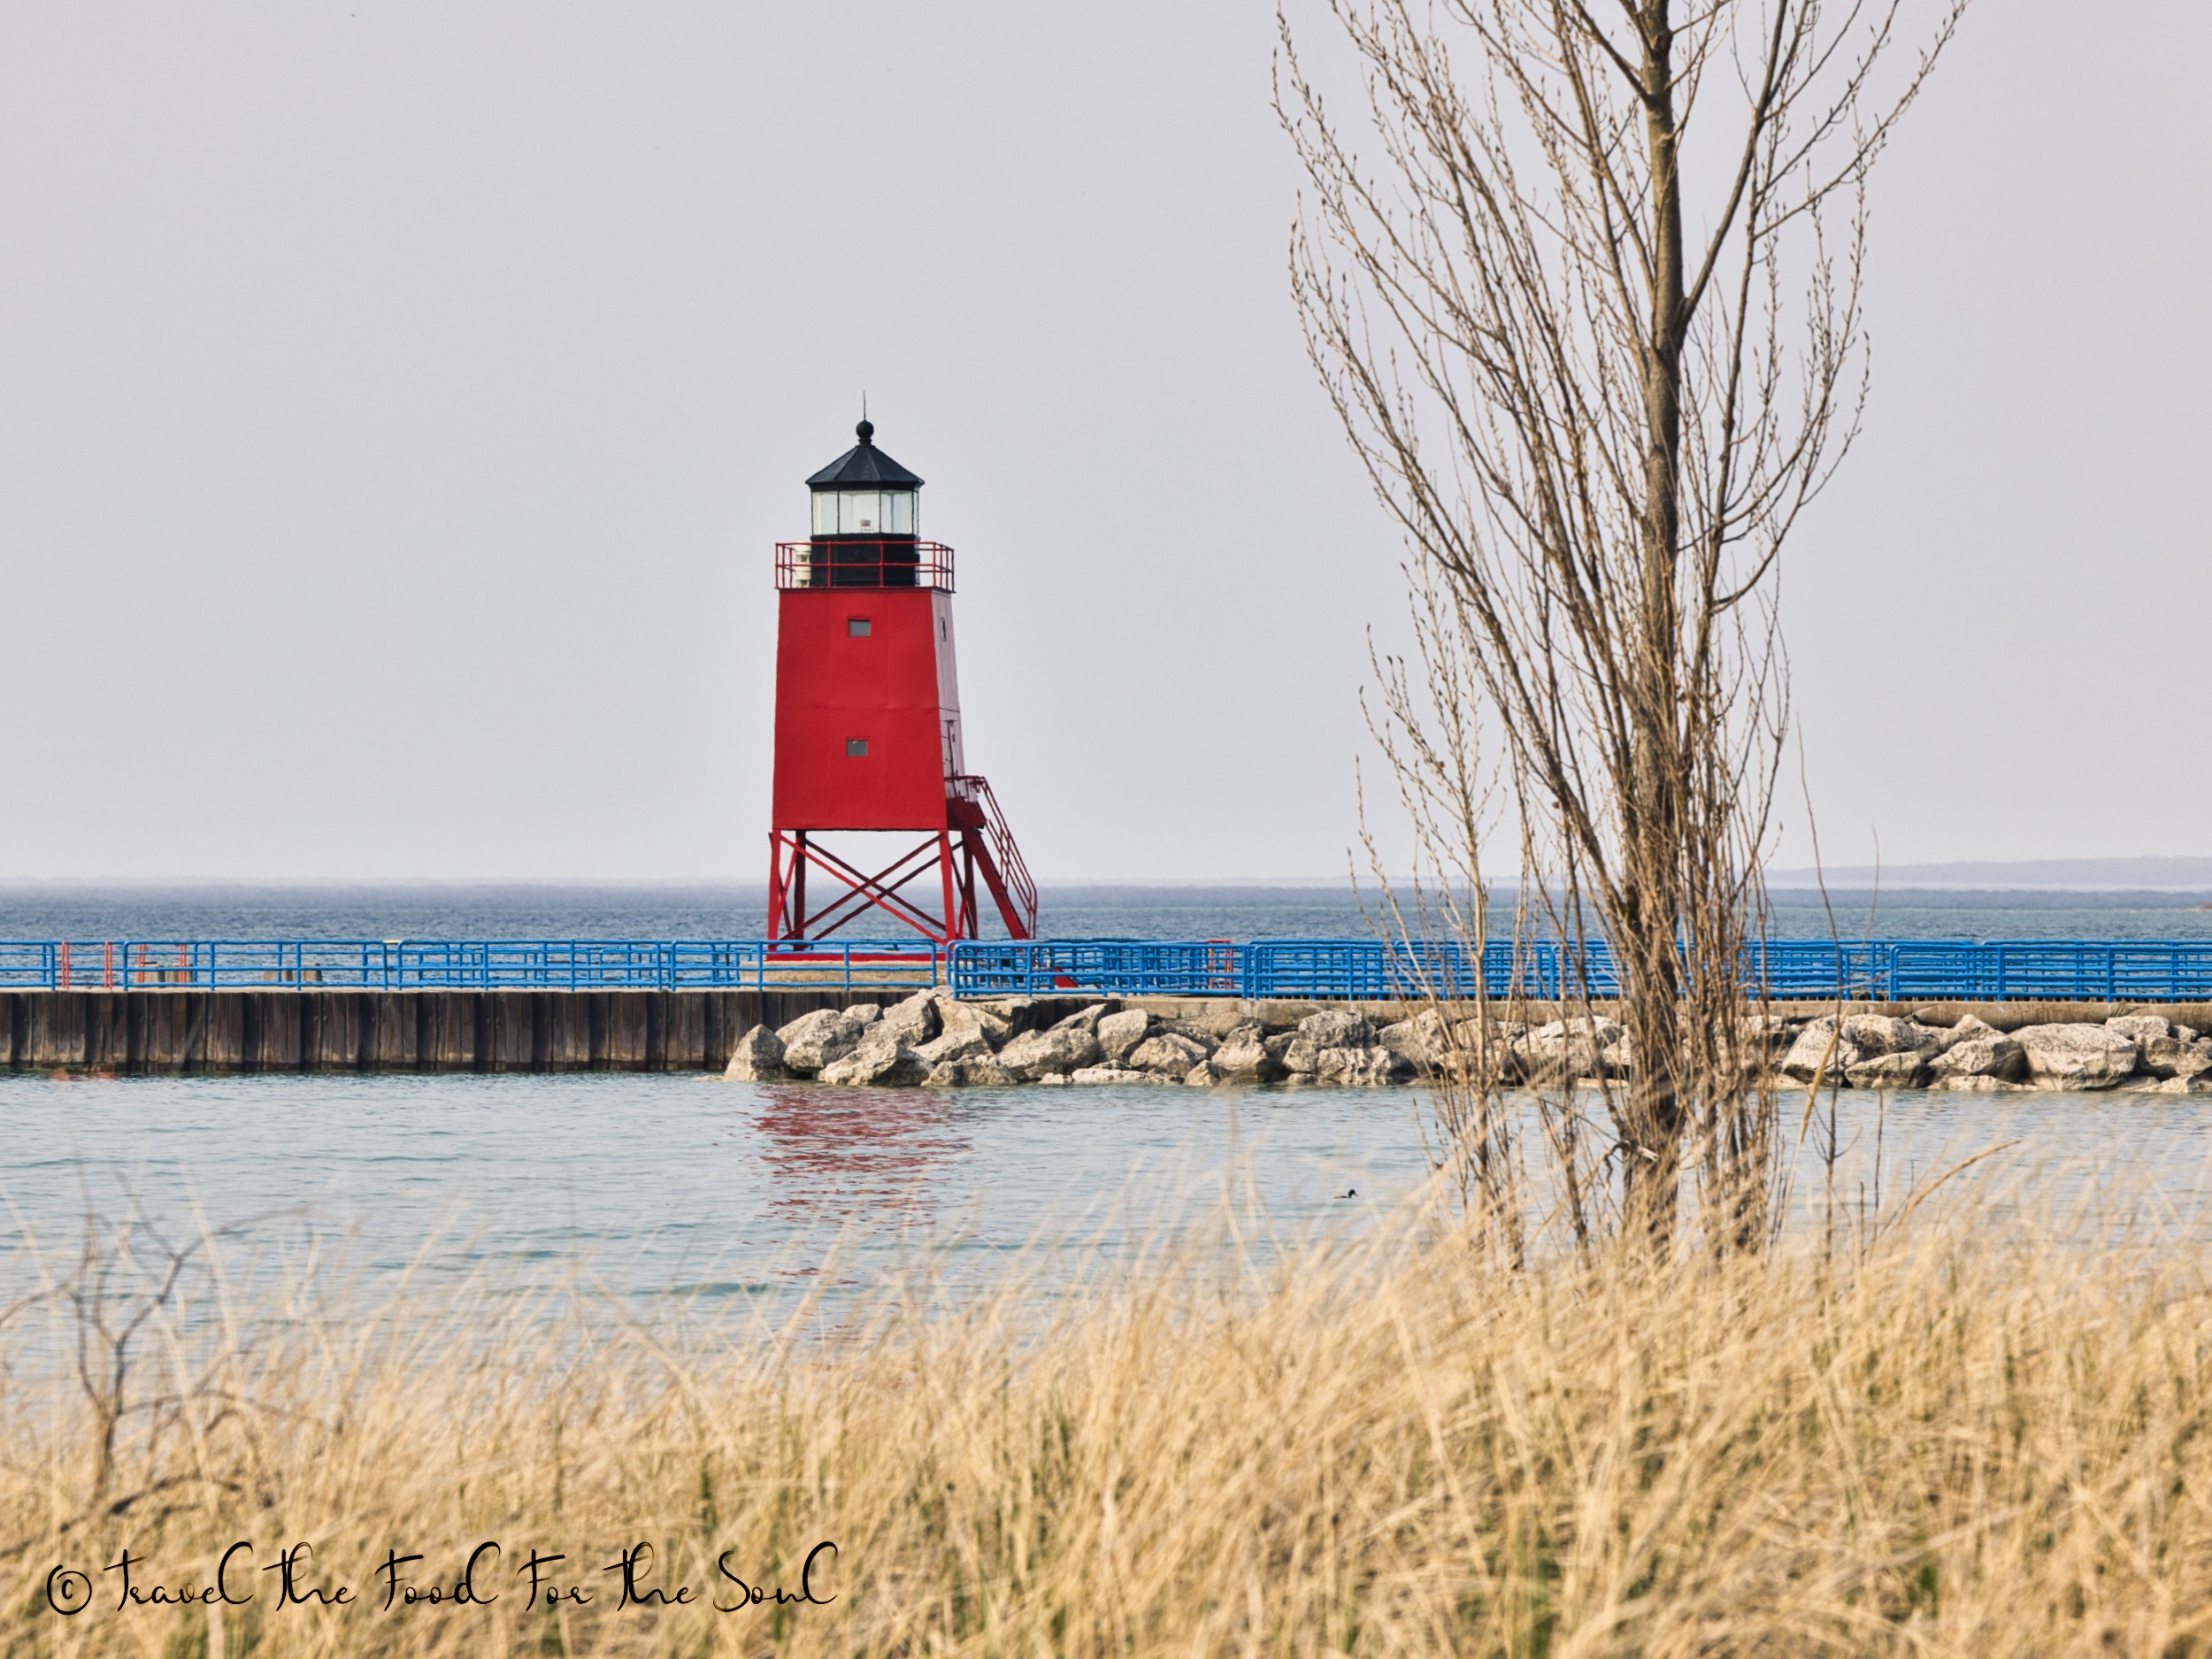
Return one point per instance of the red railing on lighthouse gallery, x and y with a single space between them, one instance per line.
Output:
843 564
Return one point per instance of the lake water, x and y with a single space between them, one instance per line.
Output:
656 1183
661 1186
695 910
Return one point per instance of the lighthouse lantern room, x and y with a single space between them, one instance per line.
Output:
868 738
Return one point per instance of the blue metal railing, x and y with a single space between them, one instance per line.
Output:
1363 968
2057 970
399 964
1131 967
1880 970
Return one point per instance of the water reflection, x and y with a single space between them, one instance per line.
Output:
853 1155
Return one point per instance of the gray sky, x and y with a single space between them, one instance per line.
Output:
398 406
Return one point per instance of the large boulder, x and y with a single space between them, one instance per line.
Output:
758 1058
1036 1054
980 1072
1466 1051
1759 1033
2177 1057
813 1040
1243 1058
955 1042
1434 1042
1820 1051
1109 1074
915 1021
1970 1027
1901 1068
1406 1038
1216 1023
1026 1014
1369 1067
886 1064
974 1019
2140 1029
1983 1054
1170 1052
2076 1057
1197 1030
2167 1050
1337 1028
1873 1034
1566 1049
1118 1034
1016 1015
1425 1041
1082 1019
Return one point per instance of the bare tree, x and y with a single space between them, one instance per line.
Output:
1596 372
1426 729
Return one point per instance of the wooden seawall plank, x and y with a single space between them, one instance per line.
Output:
308 1030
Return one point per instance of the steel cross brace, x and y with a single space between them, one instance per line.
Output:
863 892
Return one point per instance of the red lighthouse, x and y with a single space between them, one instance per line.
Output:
868 735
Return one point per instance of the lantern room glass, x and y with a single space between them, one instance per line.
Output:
864 512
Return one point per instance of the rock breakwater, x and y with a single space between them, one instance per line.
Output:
933 1040
2138 1051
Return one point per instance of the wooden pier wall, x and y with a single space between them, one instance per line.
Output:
388 1030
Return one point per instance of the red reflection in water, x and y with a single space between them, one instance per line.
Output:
856 1154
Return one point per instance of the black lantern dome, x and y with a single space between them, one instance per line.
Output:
864 492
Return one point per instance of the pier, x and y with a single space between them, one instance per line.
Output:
1351 970
313 1029
681 1005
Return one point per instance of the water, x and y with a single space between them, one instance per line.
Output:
660 1187
1931 914
655 1184
699 911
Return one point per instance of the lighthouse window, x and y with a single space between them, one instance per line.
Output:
856 627
855 746
863 513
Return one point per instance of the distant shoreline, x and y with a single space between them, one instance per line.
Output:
2068 875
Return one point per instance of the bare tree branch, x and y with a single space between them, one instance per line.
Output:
1595 446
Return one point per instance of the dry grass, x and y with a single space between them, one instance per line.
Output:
1957 1446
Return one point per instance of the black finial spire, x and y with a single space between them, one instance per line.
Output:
865 466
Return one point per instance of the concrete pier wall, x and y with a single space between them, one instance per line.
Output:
309 1030
155 1031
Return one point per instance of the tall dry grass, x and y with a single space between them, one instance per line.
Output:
1950 1441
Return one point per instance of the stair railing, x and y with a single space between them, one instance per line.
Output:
972 787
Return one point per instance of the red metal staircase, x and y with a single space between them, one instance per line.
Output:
985 840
